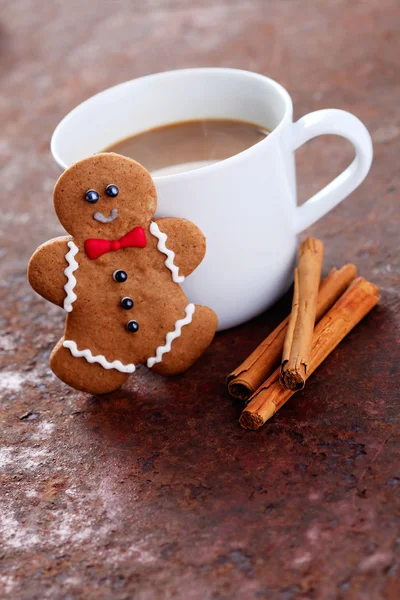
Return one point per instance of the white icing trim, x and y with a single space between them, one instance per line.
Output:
170 254
171 336
87 355
68 272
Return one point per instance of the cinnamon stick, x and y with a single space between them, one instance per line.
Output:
355 303
245 380
298 340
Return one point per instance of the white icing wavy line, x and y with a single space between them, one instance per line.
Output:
68 272
87 355
171 336
170 254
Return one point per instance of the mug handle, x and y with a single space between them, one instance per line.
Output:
337 122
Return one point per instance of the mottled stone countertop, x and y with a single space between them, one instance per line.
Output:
156 491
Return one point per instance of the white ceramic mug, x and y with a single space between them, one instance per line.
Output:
245 205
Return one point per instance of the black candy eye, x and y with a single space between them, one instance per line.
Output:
132 326
127 303
112 190
92 196
120 276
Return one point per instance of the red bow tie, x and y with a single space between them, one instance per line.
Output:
133 239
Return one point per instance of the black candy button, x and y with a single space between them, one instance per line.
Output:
127 303
132 326
91 196
112 190
120 276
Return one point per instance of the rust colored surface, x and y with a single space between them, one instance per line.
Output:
156 491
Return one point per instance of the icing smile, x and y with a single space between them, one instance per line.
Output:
102 219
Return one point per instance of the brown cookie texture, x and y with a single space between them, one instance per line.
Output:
191 344
83 376
187 242
125 305
46 270
136 201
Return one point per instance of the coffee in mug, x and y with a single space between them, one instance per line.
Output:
189 145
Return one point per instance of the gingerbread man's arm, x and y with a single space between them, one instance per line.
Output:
186 241
46 269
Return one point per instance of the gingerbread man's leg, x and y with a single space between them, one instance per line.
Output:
83 376
190 345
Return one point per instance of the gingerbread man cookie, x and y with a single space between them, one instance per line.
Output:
117 276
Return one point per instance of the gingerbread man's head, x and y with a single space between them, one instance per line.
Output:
104 196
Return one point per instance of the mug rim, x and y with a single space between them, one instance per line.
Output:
288 104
